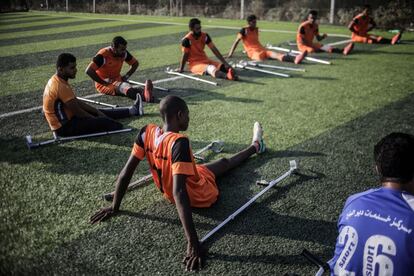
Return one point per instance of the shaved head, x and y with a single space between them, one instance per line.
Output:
170 106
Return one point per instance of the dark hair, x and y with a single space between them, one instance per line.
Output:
119 40
64 59
193 22
171 105
367 7
313 12
394 157
251 17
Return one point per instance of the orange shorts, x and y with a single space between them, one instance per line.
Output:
200 68
311 49
368 38
204 192
260 55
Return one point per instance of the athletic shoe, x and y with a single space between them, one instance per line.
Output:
299 58
148 91
396 38
257 140
231 75
138 108
348 49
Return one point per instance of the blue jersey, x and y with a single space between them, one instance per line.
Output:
376 235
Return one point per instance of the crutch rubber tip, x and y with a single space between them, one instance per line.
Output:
108 197
262 182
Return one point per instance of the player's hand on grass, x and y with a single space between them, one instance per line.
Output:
102 214
195 257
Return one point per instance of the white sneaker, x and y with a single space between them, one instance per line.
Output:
139 105
257 140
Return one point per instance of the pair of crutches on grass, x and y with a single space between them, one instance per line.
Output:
312 59
136 83
57 139
216 146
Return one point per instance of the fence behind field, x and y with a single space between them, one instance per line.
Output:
397 13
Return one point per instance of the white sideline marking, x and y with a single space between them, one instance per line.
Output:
17 112
184 24
340 42
20 111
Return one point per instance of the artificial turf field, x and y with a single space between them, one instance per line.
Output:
327 118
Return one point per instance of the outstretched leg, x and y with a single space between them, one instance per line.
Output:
126 89
224 165
221 72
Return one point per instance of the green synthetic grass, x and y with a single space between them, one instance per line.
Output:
327 118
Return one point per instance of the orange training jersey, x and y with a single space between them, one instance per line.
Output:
56 93
168 154
195 47
250 40
108 66
306 33
361 24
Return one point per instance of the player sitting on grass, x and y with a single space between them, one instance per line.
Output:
249 35
308 30
193 45
175 173
376 227
362 24
105 70
68 116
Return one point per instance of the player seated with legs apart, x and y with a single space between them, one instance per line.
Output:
362 24
307 32
376 227
69 116
175 173
193 45
105 70
249 35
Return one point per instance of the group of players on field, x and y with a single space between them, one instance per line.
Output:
376 227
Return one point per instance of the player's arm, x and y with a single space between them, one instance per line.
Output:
183 61
133 63
217 53
301 37
195 253
121 186
236 42
320 37
123 179
372 24
97 62
185 48
352 25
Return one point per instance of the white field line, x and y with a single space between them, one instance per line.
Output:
183 24
9 114
339 42
17 112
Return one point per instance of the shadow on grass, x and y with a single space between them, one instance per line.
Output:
28 60
301 212
51 26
